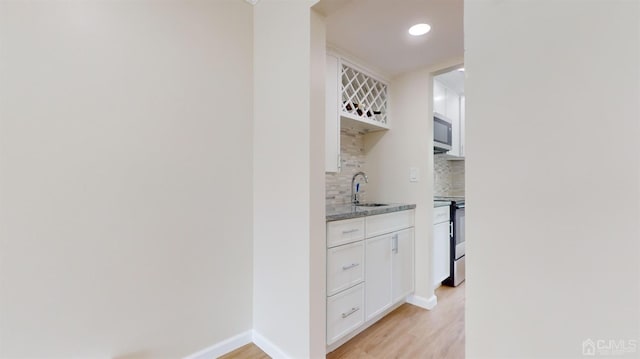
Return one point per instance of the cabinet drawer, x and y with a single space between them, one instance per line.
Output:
345 266
346 231
389 222
345 312
440 214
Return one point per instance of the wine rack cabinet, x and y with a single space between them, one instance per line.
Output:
354 99
364 98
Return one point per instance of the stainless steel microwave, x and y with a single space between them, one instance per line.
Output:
442 134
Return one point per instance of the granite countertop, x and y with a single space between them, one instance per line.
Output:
441 203
449 198
347 211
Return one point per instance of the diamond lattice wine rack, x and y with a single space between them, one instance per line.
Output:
364 99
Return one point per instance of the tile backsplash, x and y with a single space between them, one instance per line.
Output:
338 185
448 177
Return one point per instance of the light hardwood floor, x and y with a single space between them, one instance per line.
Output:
249 351
407 332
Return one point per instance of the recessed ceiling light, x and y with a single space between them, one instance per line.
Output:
419 29
461 69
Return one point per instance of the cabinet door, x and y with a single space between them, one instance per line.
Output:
452 104
453 113
403 265
462 125
377 275
332 118
439 98
441 252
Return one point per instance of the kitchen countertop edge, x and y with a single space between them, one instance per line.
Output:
440 203
349 211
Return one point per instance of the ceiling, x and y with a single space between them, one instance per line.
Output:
376 31
453 80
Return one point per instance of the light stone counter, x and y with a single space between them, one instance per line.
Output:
347 211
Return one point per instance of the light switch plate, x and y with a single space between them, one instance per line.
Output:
414 174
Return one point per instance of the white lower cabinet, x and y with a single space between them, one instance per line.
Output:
345 312
402 264
378 275
345 267
441 245
441 252
367 277
388 222
346 231
390 271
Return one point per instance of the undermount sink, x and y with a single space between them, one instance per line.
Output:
371 204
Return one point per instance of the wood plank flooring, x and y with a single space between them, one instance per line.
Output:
249 351
413 332
407 332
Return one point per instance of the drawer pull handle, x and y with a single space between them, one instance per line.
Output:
353 310
352 265
350 231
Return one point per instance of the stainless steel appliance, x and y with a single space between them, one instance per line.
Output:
442 134
457 265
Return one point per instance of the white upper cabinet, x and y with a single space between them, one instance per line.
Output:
363 98
332 117
453 113
354 98
462 125
449 103
452 104
439 98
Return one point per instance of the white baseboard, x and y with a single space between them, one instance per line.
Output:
223 347
228 345
268 347
423 302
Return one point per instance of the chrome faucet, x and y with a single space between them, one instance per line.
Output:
354 195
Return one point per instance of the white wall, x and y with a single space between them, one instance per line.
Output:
125 177
284 201
553 176
317 213
390 155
